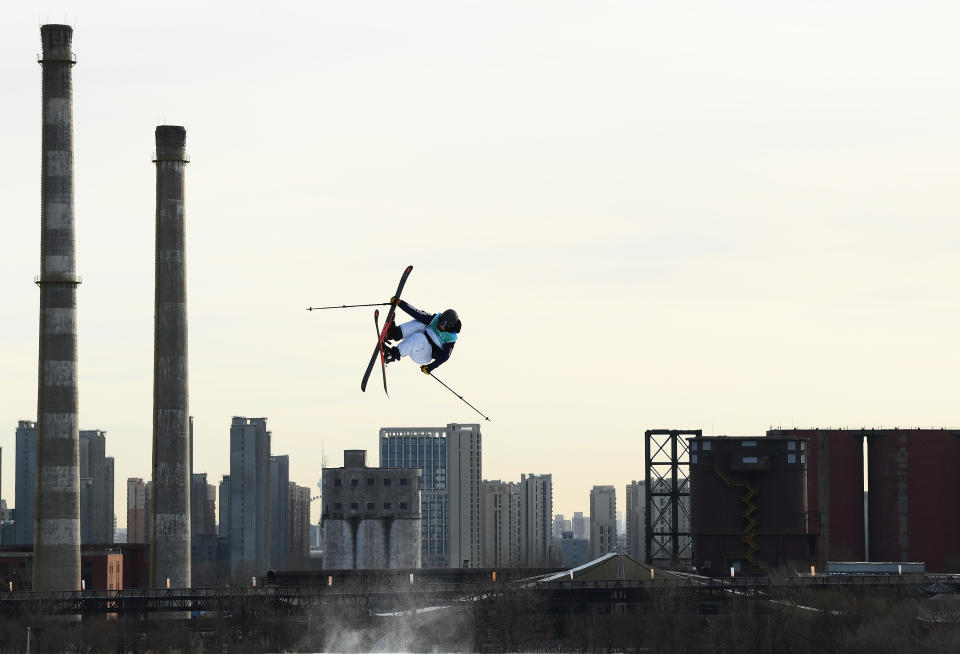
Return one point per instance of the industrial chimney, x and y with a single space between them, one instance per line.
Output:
56 540
170 536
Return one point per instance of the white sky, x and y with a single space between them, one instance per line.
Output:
710 215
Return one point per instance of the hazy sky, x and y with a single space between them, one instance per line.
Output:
710 215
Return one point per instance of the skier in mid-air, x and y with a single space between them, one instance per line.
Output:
428 339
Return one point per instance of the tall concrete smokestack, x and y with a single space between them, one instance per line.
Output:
170 541
56 536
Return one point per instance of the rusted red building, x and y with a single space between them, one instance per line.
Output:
834 492
748 502
136 564
915 496
101 567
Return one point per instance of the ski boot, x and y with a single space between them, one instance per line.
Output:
394 333
390 354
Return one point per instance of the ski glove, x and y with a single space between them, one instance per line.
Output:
425 369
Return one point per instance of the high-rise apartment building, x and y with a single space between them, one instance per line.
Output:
581 525
223 509
249 496
203 506
7 524
203 529
499 524
298 526
25 482
463 488
573 551
450 462
138 510
636 541
279 509
603 520
536 519
96 488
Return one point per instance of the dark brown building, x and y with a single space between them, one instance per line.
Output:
914 500
834 491
748 504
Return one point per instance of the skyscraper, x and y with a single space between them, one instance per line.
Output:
603 520
203 530
298 526
560 525
249 496
581 525
138 510
536 519
223 508
449 460
499 524
279 509
202 506
636 510
25 482
463 488
96 488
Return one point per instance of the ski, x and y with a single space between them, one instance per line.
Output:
386 326
380 336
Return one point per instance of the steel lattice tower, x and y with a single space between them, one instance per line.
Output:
667 476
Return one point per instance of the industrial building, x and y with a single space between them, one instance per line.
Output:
913 492
914 496
748 504
835 509
371 516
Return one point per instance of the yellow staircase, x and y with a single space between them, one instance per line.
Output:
750 521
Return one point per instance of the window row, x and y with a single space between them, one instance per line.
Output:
372 482
355 506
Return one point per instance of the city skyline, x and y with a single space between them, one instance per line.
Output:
759 198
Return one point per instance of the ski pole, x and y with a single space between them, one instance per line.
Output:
350 306
461 397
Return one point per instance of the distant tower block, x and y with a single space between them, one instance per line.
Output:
56 564
170 543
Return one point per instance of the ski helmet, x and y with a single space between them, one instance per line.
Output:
449 322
